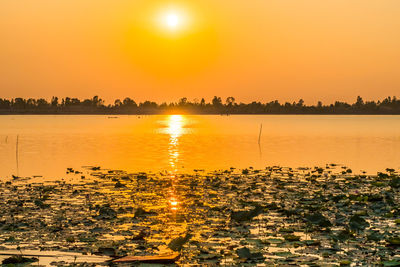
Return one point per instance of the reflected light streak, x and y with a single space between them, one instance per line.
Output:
173 203
175 130
175 126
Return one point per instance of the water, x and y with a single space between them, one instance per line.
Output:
181 143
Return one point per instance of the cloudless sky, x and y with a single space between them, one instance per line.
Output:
253 50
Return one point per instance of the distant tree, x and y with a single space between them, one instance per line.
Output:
359 101
182 101
217 102
19 103
117 103
129 103
42 103
97 102
75 102
31 103
149 104
54 102
5 103
230 101
67 101
87 103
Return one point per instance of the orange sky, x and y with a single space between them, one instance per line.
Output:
252 50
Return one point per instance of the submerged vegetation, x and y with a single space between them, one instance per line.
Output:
95 105
306 216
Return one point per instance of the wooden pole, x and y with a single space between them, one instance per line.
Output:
16 154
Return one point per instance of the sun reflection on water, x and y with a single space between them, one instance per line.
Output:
175 130
175 126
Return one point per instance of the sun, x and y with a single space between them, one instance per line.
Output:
172 20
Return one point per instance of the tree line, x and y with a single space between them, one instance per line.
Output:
96 105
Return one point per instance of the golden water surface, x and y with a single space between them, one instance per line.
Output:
47 145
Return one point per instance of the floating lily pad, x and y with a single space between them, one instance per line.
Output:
357 223
177 243
344 235
394 241
18 259
241 216
311 242
274 241
391 263
375 236
244 253
318 219
291 238
345 263
284 254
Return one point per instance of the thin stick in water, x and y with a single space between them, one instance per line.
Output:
16 154
259 136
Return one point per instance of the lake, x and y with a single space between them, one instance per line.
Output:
49 144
